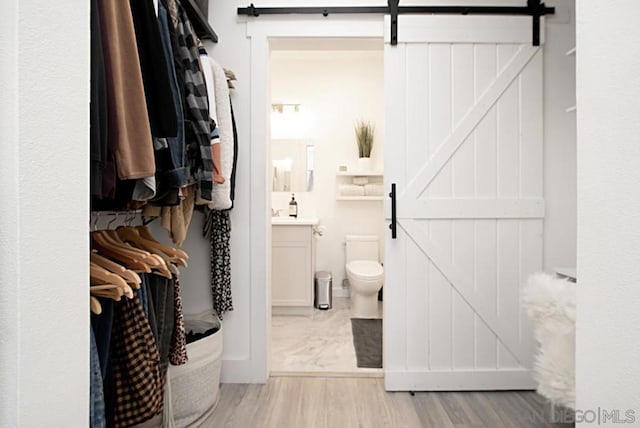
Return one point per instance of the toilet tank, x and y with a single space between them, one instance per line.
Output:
362 247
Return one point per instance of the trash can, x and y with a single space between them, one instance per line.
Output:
323 292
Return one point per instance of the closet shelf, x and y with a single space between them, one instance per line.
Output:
571 51
359 198
199 20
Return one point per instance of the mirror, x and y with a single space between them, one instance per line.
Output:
292 165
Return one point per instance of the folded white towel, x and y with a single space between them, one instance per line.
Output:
374 189
351 190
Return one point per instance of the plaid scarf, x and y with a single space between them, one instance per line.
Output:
197 123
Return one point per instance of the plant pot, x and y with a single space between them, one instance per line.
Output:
364 165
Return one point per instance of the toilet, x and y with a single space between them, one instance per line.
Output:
365 274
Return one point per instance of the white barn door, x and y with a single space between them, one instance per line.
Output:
463 142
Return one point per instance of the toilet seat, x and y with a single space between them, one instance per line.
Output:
365 269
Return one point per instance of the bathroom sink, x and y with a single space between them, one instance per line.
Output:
292 221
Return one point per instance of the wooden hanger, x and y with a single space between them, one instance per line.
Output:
110 291
169 254
114 238
131 236
100 276
144 232
108 249
95 305
177 256
129 276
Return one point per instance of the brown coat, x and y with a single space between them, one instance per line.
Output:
129 131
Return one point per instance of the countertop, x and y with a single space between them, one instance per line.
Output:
293 221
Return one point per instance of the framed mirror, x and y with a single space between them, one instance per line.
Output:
292 162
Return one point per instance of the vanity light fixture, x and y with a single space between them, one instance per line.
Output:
289 122
285 108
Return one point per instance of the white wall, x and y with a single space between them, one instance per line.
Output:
608 88
335 88
44 213
560 139
9 238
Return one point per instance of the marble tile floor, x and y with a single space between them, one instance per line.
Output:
320 344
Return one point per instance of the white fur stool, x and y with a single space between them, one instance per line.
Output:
551 304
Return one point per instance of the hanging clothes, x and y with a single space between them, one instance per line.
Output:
98 109
175 219
232 190
163 298
172 8
154 70
135 364
217 228
159 95
218 176
218 92
101 325
129 135
178 348
96 393
174 175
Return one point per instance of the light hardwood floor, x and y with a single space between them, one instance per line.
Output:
299 402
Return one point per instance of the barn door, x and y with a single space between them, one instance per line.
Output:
464 147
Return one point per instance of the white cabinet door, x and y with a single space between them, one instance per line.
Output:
464 138
292 279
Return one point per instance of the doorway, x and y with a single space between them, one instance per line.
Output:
321 90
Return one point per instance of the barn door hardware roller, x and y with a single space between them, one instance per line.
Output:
534 8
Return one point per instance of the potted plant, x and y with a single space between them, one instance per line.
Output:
364 138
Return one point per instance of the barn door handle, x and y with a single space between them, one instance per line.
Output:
393 225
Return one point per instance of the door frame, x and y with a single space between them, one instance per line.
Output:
260 33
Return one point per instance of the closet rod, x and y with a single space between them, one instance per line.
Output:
129 217
534 8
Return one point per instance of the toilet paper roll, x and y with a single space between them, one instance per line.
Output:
319 232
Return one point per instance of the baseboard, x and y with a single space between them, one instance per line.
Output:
241 371
460 380
373 373
292 310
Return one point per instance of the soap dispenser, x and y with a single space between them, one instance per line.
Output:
293 206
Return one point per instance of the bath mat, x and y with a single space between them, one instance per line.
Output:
367 339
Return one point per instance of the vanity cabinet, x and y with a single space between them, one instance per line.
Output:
292 266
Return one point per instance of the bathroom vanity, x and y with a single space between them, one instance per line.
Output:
293 264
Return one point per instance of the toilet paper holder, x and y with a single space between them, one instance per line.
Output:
319 231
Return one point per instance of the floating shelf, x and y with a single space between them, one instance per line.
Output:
359 198
570 109
359 174
199 20
571 51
